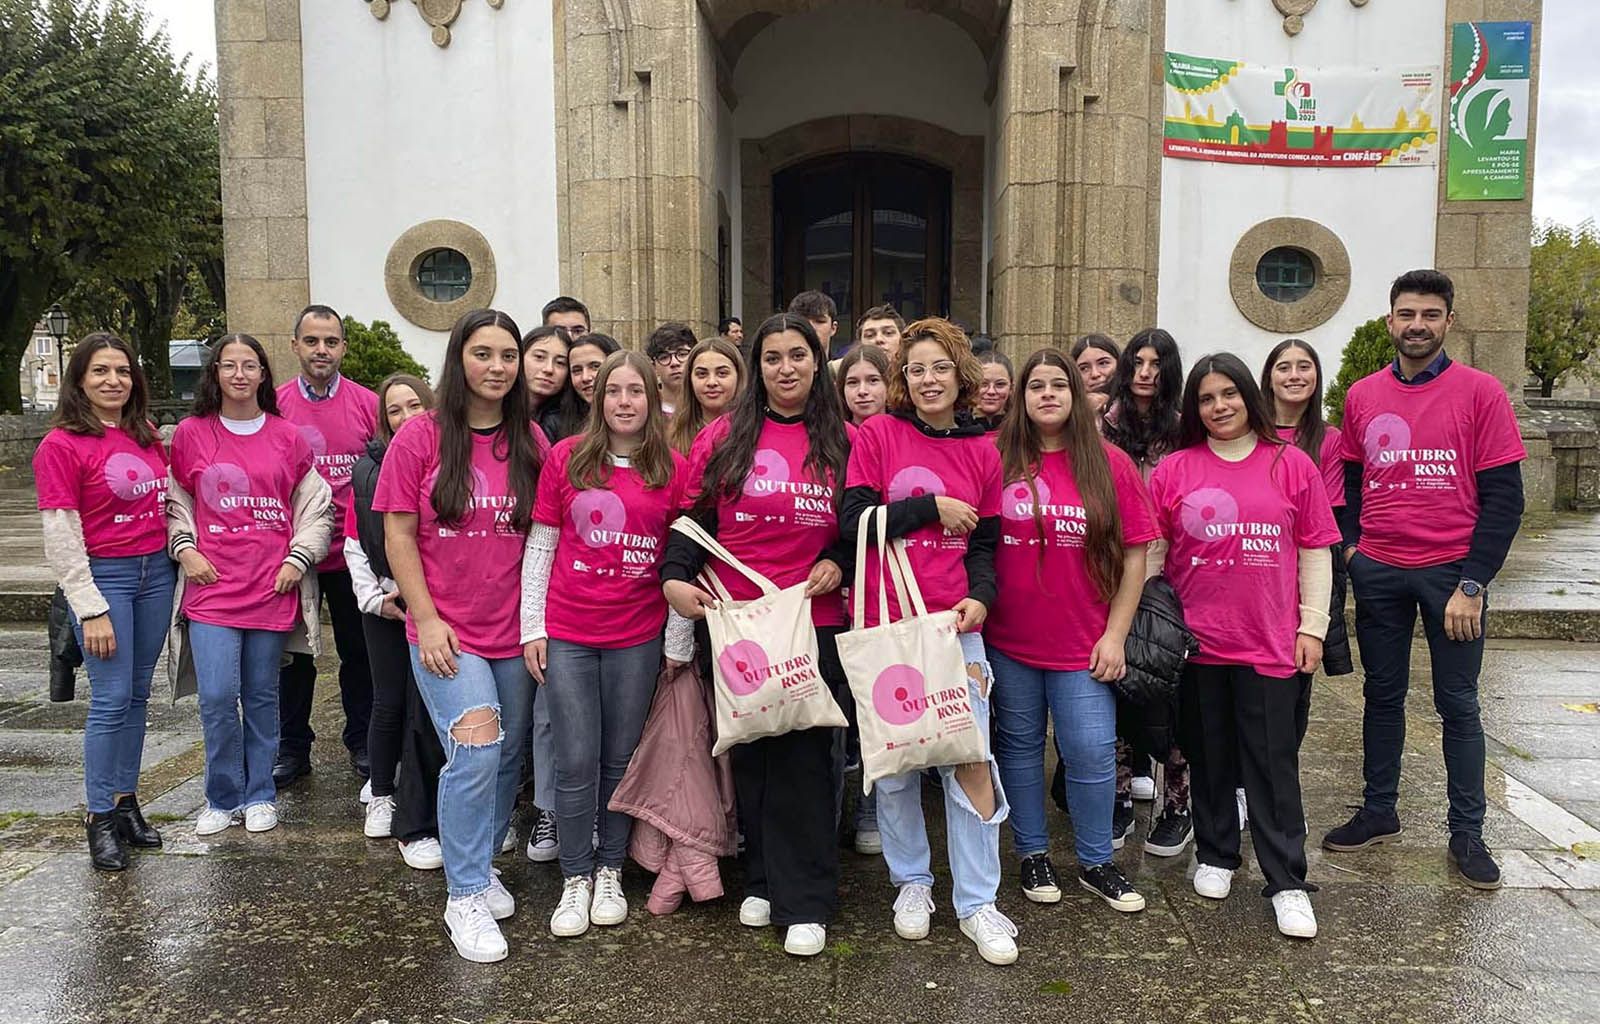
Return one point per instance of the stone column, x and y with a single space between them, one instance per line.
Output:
260 92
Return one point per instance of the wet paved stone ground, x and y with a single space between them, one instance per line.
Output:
314 923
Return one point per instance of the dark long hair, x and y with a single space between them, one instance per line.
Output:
690 417
1193 430
1020 454
75 413
513 441
589 465
208 396
1146 436
828 445
1312 428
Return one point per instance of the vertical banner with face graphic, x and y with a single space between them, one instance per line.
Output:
1490 65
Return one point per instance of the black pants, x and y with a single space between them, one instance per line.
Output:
298 678
402 743
1387 602
1239 724
785 788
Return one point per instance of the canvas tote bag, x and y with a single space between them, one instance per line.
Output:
763 655
908 677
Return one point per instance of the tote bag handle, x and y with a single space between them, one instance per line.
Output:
894 569
697 533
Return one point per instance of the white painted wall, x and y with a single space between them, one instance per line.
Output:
1385 216
399 131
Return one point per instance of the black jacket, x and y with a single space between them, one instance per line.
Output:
369 524
1336 660
1159 646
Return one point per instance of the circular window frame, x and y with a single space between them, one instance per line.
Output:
1296 291
422 258
1330 261
407 253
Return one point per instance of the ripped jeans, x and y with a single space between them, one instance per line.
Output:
478 783
974 844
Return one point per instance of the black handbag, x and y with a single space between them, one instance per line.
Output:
1159 646
65 654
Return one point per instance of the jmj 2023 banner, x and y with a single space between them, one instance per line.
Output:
1229 111
1490 62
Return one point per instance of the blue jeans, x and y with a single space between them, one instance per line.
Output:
479 781
1085 714
974 843
238 669
599 699
542 745
138 590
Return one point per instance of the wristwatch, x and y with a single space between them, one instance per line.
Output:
1471 588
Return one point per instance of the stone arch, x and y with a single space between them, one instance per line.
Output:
961 155
734 23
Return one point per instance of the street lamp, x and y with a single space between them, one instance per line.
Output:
56 322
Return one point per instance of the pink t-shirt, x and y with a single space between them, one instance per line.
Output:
337 429
243 491
1421 447
1330 460
783 519
1236 530
473 568
118 489
899 461
604 587
1049 614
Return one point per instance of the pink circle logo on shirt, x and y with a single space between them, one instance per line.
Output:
128 476
899 695
767 468
1018 503
314 439
595 514
914 482
1387 432
220 481
743 665
1206 508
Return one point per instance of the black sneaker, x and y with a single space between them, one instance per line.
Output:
1039 882
1121 825
544 845
1111 885
1365 828
289 767
1170 834
1473 860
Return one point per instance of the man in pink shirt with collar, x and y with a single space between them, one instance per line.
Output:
337 417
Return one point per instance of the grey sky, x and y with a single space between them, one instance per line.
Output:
1567 161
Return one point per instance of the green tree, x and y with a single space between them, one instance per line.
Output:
1563 302
1369 351
374 353
102 140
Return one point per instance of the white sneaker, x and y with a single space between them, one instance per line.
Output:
473 929
608 906
544 845
571 916
913 911
869 842
805 939
380 818
261 817
423 854
211 821
1295 918
501 903
1213 883
365 796
509 843
1144 787
1244 809
993 933
755 912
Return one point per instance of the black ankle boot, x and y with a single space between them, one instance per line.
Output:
132 827
105 845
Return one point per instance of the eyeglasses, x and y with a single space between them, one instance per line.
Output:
248 369
943 368
676 355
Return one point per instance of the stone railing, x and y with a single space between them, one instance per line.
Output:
1572 426
20 435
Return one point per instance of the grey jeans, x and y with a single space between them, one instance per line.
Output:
599 699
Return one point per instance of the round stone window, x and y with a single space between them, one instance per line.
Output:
1286 274
443 275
